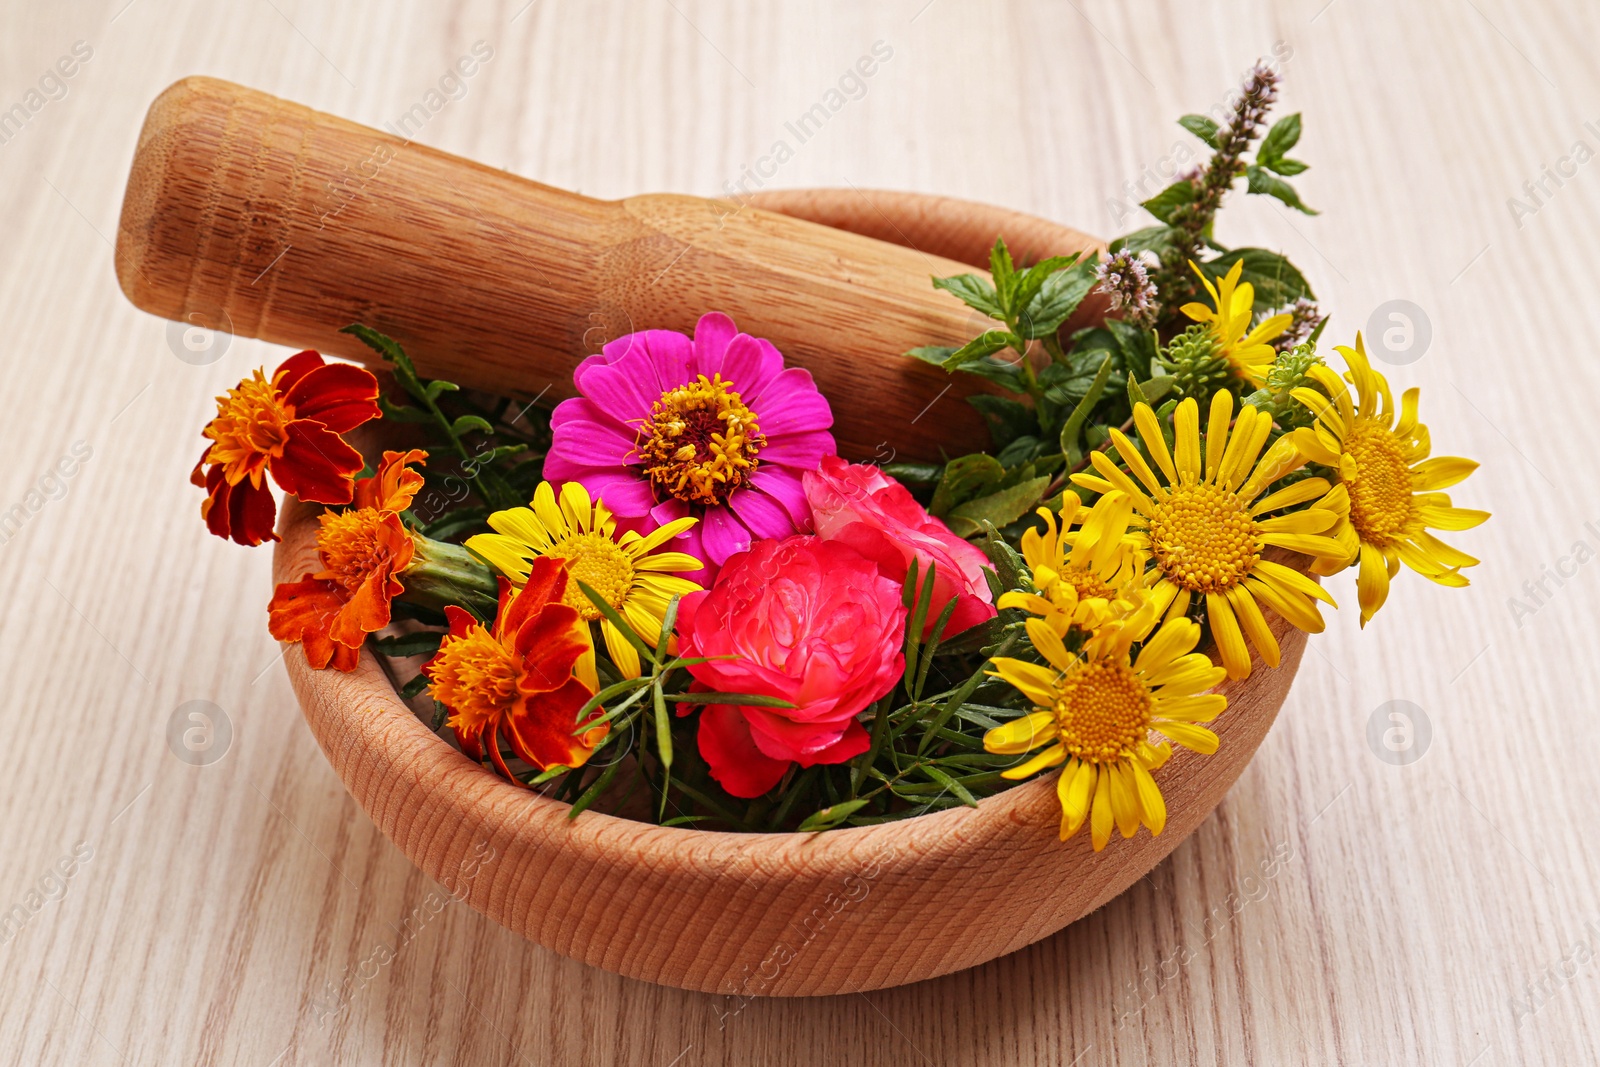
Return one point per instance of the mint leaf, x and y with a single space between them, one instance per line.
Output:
974 291
1285 133
1174 196
1201 127
965 477
1263 182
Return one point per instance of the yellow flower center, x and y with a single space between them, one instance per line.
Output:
476 677
601 564
348 542
701 442
1380 492
1203 538
1102 711
1087 584
251 426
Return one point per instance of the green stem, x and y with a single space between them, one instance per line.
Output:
441 574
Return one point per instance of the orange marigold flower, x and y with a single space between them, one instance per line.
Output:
363 550
287 426
516 681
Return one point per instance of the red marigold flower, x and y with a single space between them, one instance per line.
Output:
288 427
516 681
363 549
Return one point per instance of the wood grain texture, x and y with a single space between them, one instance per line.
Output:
237 913
773 914
285 224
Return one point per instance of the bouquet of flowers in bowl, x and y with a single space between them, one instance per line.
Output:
671 597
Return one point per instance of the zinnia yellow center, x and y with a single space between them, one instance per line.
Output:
348 542
601 564
1102 711
475 676
251 426
701 442
1380 492
1203 538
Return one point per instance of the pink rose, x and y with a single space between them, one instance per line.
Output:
864 508
808 621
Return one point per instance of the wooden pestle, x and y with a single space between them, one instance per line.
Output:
267 219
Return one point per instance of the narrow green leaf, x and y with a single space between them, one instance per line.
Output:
663 746
669 622
603 606
951 784
938 355
1135 394
421 643
592 794
1074 424
413 687
469 423
829 817
743 700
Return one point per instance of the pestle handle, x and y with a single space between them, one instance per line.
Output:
251 214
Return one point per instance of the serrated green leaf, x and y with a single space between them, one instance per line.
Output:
1201 127
914 473
986 343
1168 200
965 477
1030 281
975 291
1004 272
401 412
1001 508
938 355
1155 239
1284 135
1056 300
1263 182
1278 283
1008 419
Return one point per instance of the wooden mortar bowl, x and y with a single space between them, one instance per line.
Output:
762 914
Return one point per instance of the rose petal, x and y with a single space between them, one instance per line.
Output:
735 761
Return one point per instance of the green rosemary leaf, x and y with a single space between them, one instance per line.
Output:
669 622
548 775
603 606
1073 430
748 700
931 649
829 817
423 642
592 794
880 730
951 784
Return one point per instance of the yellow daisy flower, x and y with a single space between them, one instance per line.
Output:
1082 577
1205 529
627 571
1096 713
1247 351
1383 462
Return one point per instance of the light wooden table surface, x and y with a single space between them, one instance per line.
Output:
1441 912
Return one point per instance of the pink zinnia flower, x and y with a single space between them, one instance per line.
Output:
712 427
808 621
877 516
